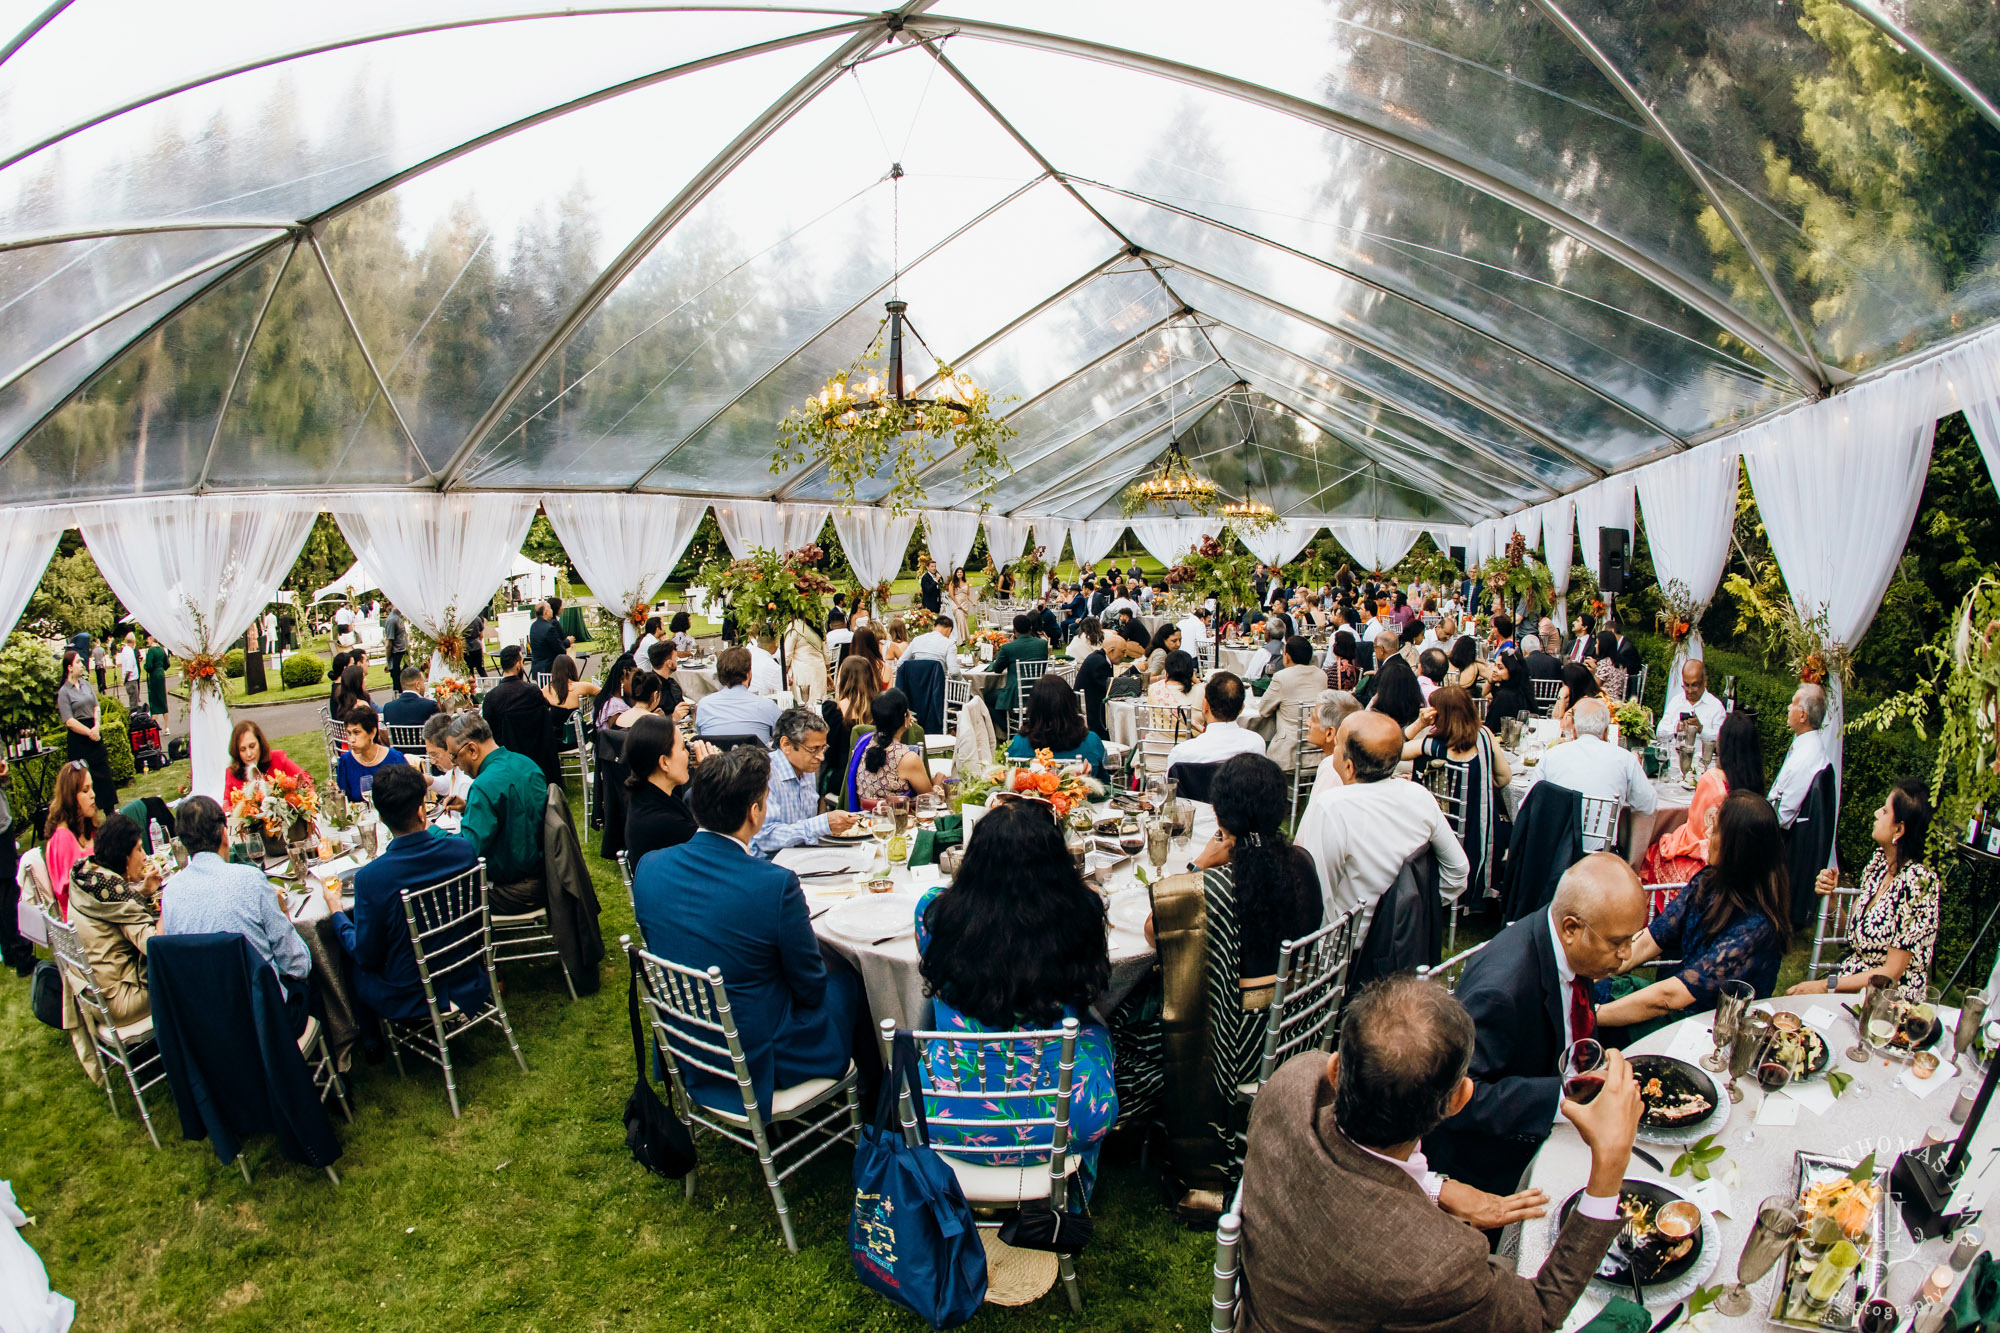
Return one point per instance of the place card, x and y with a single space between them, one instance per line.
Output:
1816 1096
1778 1111
1924 1087
1711 1196
1821 1017
1691 1042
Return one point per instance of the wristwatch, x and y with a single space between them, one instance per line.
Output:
1832 985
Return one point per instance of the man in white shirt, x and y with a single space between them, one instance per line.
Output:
934 644
1117 604
1595 767
1373 822
1194 631
343 617
1377 626
1221 738
1322 728
1694 701
838 635
1807 756
766 676
648 636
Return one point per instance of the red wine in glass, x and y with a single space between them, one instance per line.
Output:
1583 1088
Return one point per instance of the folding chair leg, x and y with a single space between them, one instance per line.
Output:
777 1189
1066 1266
334 1176
854 1109
1451 932
508 1028
444 1059
564 968
688 1181
145 1116
395 1051
244 1167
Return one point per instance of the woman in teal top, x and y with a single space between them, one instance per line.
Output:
1017 942
1055 723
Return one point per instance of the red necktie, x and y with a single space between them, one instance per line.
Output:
1582 1015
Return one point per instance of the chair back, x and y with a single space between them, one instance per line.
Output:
1600 822
1446 779
1228 1232
1836 923
485 685
625 873
1451 969
1193 780
74 964
410 740
1311 987
451 931
921 679
334 733
1546 693
1161 728
1637 688
694 1026
957 693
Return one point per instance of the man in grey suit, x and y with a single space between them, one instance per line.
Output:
1343 1226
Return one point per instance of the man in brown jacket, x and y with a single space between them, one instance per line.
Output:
1341 1228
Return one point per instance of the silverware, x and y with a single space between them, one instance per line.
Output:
1647 1158
1672 1315
1630 1252
876 944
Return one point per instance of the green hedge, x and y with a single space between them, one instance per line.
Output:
302 669
232 664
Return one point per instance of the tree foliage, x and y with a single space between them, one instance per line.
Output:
72 595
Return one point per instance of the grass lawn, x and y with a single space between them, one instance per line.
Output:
526 1214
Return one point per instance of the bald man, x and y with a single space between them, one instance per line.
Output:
1694 701
1372 823
1528 994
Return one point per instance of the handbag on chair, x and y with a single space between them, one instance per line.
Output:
656 1136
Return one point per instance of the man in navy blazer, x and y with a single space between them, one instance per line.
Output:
375 934
1527 992
410 708
709 903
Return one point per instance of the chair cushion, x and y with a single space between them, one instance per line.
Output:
1248 1091
789 1101
310 1035
537 917
1004 1184
137 1032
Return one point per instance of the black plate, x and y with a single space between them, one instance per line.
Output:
1937 1031
1822 1056
1652 1269
1676 1077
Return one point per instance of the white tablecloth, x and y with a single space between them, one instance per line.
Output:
697 681
1236 660
889 970
1886 1121
1542 732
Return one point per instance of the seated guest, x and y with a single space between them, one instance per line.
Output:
1221 704
1343 671
1094 672
1294 689
1166 639
733 710
1450 730
1678 855
1806 757
376 935
838 635
1332 708
365 755
1432 666
1542 664
1086 639
709 903
1018 941
1578 683
1731 923
649 634
1372 823
1259 890
1343 1227
1584 629
210 896
449 783
1603 662
767 675
934 645
889 764
681 627
656 813
1466 668
868 646
617 684
410 708
518 711
792 817
71 827
1025 646
1054 722
336 670
251 759
567 691
665 660
1693 701
1893 926
1510 693
1529 996
1397 694
503 815
1176 686
351 686
1270 658
1593 766
113 897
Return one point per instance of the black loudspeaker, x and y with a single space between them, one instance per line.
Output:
1458 556
1614 559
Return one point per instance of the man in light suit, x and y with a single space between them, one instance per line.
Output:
710 903
1345 1227
1295 688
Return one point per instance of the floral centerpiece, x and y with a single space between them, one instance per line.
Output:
1065 786
280 806
919 619
454 693
1215 569
994 637
1635 724
1030 570
766 591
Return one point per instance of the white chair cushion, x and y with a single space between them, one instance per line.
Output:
1247 1091
133 1033
1004 1184
307 1037
786 1101
537 917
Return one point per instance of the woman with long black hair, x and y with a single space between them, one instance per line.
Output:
1397 692
889 765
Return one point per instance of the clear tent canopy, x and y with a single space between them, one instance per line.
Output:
1432 260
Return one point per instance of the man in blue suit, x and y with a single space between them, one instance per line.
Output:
375 934
410 708
710 903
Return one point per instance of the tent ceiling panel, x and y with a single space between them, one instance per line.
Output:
1113 453
792 242
1844 159
146 423
1968 49
289 141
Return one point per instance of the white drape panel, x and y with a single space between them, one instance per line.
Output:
1375 545
624 545
1049 535
1282 541
194 570
1446 538
1690 504
1838 484
1006 538
1168 539
1093 538
750 524
949 534
439 556
1558 540
1608 504
1529 524
875 542
1971 374
28 538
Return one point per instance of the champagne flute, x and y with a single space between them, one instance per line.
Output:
1158 832
1583 1070
1970 1015
1734 998
1770 1236
1864 1012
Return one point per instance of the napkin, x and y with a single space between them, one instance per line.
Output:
1691 1042
1711 1196
802 860
923 848
1816 1096
1924 1087
1778 1111
1619 1316
1821 1017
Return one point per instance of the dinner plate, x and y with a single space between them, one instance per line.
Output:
873 916
845 839
1653 1270
1129 912
1678 1076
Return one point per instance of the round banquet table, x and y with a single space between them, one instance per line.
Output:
1235 660
696 681
1543 732
888 966
1887 1120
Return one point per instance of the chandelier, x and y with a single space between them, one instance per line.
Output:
1176 482
1254 512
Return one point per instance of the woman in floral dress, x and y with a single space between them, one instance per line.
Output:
1017 941
1893 925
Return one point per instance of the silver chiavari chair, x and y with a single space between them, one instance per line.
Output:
1027 675
1546 693
1600 822
1447 780
1228 1235
1836 923
694 1029
625 873
1161 728
1306 1001
409 740
131 1048
1451 969
957 692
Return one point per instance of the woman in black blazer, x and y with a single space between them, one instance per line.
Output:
656 813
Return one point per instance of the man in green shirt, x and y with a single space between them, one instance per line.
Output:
1025 646
503 814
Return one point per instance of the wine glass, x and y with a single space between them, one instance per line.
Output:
1131 840
1158 833
927 811
1864 1012
1777 1221
1734 998
1078 843
899 814
1746 1050
1583 1070
1920 1020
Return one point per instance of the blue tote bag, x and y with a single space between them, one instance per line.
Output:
912 1233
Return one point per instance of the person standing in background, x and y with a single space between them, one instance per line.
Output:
157 663
128 670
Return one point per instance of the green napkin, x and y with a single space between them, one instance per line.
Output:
1620 1316
923 848
950 824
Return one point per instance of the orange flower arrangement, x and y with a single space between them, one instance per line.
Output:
640 613
1064 787
275 804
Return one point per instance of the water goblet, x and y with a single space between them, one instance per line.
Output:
1734 998
1746 1050
1872 998
1971 1013
1158 833
1777 1221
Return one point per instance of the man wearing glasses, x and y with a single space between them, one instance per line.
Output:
1528 992
794 819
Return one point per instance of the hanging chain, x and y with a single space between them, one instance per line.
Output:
895 230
